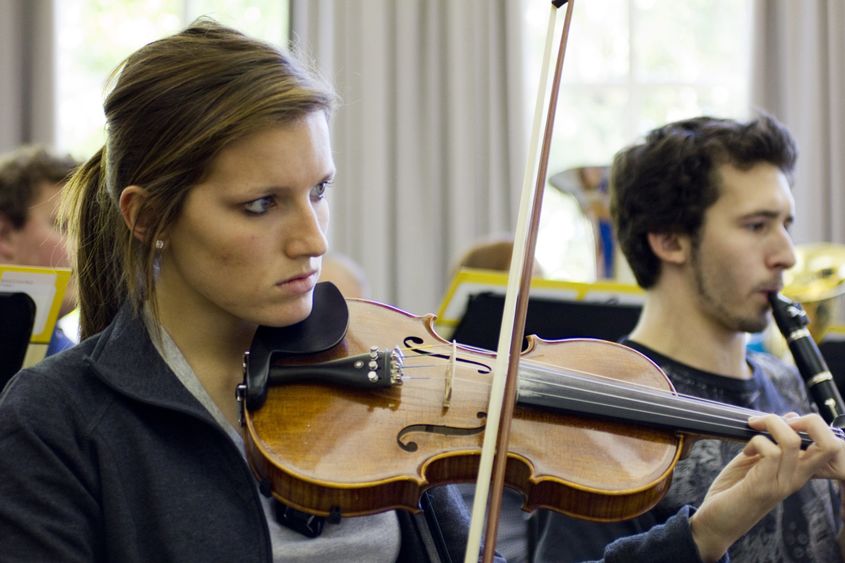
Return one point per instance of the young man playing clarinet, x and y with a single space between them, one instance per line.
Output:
702 210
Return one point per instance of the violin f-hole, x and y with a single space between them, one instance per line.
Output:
411 342
411 446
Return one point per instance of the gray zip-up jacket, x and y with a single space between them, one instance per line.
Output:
105 456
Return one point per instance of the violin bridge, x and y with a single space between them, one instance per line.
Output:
450 374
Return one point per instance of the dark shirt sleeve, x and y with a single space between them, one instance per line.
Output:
561 539
665 543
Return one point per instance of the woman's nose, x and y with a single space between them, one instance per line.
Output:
308 233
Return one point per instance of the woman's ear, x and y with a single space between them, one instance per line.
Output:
132 203
673 248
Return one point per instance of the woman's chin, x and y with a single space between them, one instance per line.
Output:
288 315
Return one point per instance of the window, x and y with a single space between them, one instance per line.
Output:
632 65
94 36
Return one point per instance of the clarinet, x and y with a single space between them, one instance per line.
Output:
792 321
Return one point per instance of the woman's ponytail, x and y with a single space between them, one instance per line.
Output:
96 233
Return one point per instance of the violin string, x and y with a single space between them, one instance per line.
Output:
716 419
680 413
730 424
635 386
731 413
732 416
736 415
408 367
619 386
632 385
650 392
738 424
729 416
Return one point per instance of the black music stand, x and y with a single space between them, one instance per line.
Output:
548 318
17 316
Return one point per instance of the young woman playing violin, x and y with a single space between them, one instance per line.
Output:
203 217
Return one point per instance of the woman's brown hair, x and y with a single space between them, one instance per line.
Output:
175 104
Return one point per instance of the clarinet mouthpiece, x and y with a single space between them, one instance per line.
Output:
788 314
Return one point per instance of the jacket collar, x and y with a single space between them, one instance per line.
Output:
125 358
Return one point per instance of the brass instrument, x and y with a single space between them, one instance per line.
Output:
817 281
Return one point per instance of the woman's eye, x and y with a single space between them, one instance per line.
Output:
259 206
319 191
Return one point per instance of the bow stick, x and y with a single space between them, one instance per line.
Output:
491 472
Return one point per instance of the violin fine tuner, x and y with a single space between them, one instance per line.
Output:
377 368
373 366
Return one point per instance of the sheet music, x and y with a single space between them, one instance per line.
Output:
46 287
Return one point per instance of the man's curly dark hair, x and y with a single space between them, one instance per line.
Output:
666 183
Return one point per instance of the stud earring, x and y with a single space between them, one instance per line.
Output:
160 244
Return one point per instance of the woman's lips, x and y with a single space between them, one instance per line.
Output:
299 284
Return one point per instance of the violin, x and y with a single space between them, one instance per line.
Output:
362 407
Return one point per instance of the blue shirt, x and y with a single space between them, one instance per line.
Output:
59 342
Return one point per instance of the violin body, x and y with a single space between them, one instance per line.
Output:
327 449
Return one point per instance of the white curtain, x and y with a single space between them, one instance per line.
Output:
430 138
27 113
799 76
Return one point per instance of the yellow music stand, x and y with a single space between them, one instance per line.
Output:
46 287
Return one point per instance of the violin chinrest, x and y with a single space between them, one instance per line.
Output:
323 329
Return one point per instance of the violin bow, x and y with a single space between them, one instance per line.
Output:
492 465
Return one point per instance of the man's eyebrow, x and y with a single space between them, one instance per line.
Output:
765 213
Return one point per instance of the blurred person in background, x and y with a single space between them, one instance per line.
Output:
31 179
